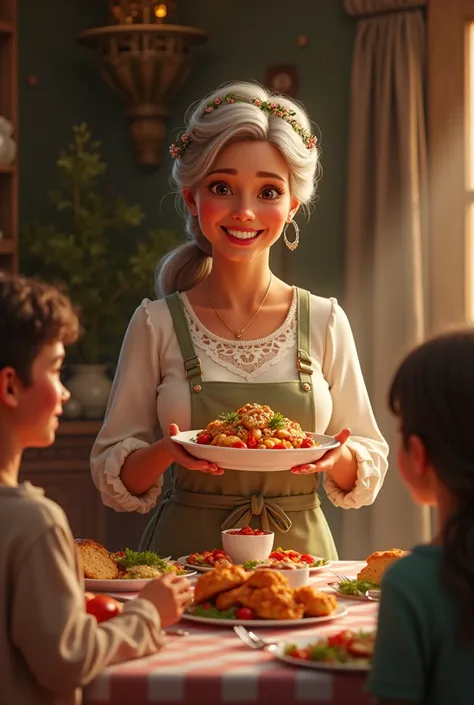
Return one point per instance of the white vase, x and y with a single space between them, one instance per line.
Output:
90 386
7 143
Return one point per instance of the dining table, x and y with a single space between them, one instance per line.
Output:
210 665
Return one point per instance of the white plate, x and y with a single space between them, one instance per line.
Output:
338 612
255 459
117 585
206 569
198 568
279 652
374 594
123 585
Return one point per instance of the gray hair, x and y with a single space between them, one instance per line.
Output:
191 262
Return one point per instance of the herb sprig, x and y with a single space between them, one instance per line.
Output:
133 558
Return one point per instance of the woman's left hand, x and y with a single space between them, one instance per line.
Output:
329 459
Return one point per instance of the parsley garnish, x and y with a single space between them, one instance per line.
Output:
277 421
230 418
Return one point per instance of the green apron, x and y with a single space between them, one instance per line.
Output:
198 506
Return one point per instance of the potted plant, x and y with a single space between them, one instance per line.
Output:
96 253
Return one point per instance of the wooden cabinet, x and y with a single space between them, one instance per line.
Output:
63 471
9 110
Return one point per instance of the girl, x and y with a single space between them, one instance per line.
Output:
425 644
230 332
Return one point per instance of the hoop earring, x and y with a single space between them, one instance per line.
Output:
292 245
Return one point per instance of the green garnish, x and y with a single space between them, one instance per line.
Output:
251 565
230 418
132 558
277 421
212 612
356 587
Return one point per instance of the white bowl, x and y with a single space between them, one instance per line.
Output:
297 577
243 548
255 459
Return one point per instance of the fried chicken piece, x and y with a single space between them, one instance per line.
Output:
262 578
262 588
233 598
219 579
275 602
315 603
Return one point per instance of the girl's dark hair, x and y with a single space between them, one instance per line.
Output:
32 314
432 394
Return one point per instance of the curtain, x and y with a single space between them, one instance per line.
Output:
386 238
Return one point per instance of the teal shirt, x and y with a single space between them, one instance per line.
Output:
419 655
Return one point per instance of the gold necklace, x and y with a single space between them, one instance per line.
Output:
239 333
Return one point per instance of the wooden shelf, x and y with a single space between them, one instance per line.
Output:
9 108
79 428
7 246
6 28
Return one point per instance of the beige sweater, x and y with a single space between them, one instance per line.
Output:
49 646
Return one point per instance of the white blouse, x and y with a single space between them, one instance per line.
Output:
150 391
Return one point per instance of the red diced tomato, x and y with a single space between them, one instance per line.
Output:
245 613
251 441
306 558
341 638
239 444
204 439
307 443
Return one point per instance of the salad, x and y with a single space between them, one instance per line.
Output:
356 587
343 647
135 565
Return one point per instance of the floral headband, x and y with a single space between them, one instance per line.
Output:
309 140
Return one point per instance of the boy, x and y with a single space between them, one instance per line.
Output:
49 646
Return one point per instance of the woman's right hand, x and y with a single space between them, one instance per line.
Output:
185 459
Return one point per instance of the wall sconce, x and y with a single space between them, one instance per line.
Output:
144 56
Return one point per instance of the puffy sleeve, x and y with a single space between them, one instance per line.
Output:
131 420
352 409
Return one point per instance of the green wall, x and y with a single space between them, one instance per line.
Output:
69 91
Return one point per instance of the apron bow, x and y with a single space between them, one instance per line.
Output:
256 505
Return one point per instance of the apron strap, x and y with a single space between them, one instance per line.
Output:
192 363
303 355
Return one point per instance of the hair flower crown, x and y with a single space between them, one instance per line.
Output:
270 108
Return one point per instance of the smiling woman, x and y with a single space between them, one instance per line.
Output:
228 332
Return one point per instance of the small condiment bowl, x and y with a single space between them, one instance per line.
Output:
297 574
242 548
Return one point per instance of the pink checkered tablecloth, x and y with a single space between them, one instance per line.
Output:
213 667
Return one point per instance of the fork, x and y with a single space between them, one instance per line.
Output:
342 578
252 640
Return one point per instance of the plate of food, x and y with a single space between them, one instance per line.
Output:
366 585
354 589
344 651
205 561
242 439
230 595
124 571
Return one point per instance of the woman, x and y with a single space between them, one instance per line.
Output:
234 334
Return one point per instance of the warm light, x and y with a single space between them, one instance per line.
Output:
161 11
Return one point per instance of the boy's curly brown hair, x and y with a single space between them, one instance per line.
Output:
32 314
